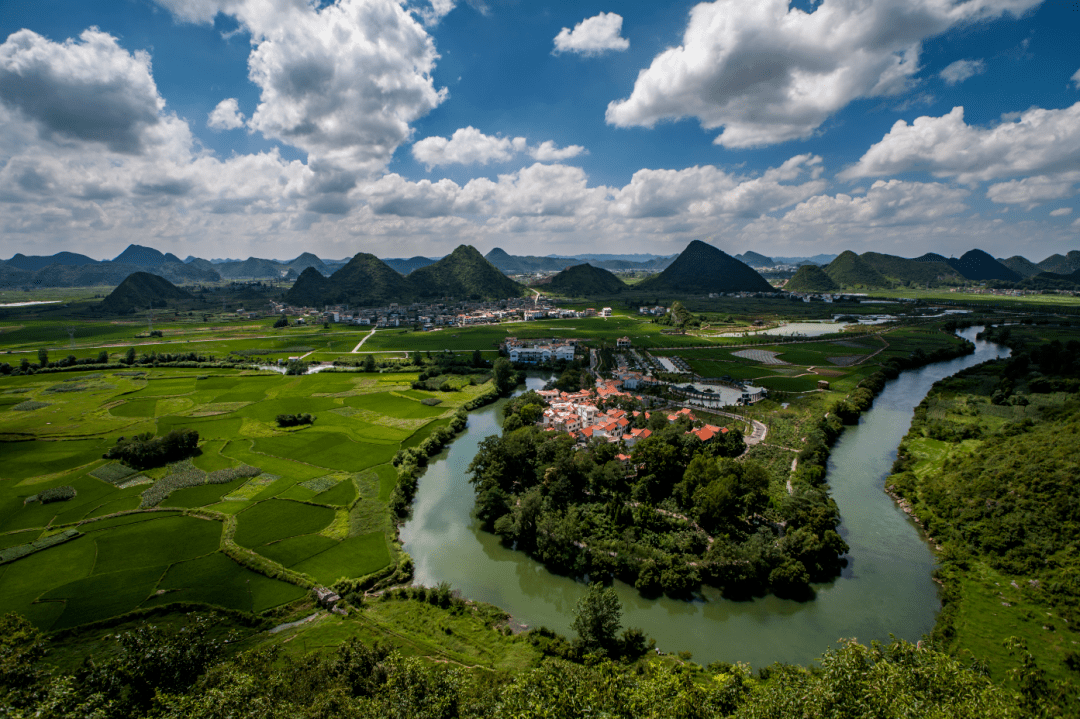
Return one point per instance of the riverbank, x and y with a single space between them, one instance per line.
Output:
886 588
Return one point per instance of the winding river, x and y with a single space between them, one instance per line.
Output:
886 588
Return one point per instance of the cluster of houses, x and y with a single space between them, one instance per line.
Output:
828 297
542 351
577 414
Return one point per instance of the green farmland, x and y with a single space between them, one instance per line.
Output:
258 516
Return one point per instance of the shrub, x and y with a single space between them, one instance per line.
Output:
431 401
144 451
56 494
294 420
113 473
29 405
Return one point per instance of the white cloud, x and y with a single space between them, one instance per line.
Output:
886 204
226 116
342 82
85 90
1035 190
1038 142
548 151
593 36
469 146
437 11
1061 212
955 73
768 72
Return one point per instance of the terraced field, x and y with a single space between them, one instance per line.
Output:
307 502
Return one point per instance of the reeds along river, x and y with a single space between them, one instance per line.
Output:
886 588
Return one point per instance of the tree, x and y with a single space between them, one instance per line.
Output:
281 322
103 357
417 359
43 356
369 363
296 367
129 356
477 359
503 373
597 619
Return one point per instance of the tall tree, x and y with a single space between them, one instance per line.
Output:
597 619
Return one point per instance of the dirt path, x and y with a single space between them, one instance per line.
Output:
361 342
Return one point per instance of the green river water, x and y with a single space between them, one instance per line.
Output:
885 589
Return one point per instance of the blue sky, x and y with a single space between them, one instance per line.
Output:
272 127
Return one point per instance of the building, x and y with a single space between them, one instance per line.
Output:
623 343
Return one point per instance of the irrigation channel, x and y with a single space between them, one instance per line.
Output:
885 589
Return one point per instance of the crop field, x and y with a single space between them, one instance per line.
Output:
318 505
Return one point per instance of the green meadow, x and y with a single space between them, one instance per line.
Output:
316 510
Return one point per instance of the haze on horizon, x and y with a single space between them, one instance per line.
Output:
267 128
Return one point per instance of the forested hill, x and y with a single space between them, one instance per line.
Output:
584 281
142 290
702 268
990 466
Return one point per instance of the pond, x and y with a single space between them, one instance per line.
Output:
886 588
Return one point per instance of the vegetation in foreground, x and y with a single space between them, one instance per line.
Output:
192 670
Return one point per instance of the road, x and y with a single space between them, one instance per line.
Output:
361 342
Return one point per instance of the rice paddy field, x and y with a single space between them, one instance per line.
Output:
307 501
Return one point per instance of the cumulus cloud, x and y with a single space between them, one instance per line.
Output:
562 191
1037 142
895 202
1076 78
1033 191
342 82
226 116
469 146
89 89
1061 212
768 72
593 36
955 73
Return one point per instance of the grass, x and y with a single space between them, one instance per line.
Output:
342 494
278 519
155 544
35 458
352 557
328 449
217 580
101 596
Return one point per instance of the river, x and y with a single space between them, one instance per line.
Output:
886 588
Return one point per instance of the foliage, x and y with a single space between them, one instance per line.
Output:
294 420
597 619
281 321
185 474
584 281
504 376
144 450
53 494
676 515
296 367
185 673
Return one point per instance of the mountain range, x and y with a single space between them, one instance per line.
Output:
870 270
367 280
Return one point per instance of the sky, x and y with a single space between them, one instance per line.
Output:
267 128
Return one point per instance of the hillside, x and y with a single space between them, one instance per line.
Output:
1062 264
34 263
142 290
911 272
519 264
978 265
584 281
811 278
305 261
464 273
702 268
849 270
141 257
932 257
252 268
406 266
1021 266
365 280
754 259
108 274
